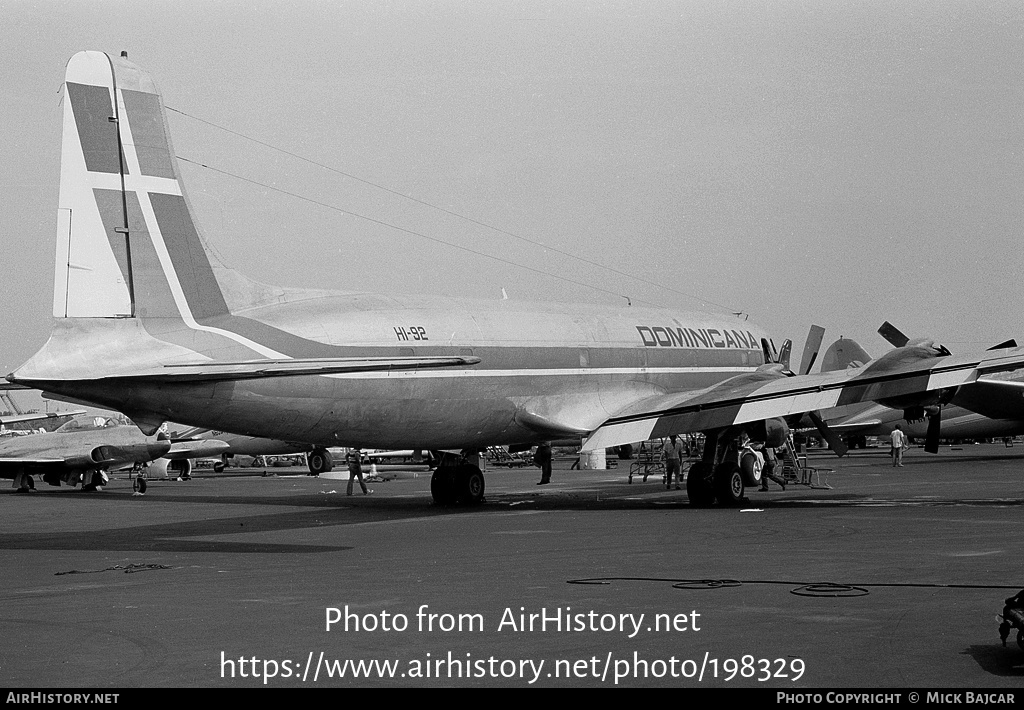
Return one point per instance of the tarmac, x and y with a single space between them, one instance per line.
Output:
888 578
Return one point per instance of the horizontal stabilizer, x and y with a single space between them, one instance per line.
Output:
255 369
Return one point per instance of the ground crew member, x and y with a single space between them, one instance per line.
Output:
355 471
543 459
899 442
673 452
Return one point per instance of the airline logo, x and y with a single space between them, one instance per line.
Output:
679 337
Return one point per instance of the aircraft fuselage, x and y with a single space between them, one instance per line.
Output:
544 373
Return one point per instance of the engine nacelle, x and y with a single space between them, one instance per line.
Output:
773 432
917 414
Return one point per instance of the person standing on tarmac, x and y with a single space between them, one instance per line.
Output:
355 471
899 442
768 471
674 452
543 459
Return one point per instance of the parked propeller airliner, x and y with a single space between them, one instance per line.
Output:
148 322
990 407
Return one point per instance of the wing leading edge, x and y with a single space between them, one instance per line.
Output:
769 393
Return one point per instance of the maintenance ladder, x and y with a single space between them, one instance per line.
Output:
796 471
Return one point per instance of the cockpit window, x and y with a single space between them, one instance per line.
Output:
88 424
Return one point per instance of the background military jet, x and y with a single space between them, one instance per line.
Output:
85 448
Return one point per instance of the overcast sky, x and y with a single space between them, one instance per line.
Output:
838 163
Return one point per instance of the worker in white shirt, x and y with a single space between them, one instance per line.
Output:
899 442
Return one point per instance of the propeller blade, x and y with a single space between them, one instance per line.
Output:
893 334
835 442
1011 343
811 347
931 443
784 354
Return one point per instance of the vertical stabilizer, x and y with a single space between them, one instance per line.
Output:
127 245
842 354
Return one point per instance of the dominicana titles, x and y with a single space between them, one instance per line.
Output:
677 337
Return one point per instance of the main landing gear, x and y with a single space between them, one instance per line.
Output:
719 477
319 461
457 481
706 483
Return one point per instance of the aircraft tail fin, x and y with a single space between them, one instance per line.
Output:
842 354
127 244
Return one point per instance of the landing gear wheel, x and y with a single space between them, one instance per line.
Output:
140 484
729 484
219 467
442 485
319 461
698 489
751 469
469 484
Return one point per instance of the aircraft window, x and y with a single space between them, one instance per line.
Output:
88 424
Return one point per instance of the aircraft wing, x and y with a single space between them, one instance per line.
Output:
254 369
846 427
31 460
38 416
769 393
996 399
